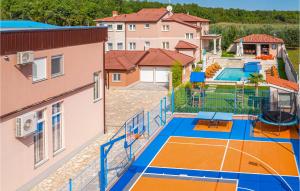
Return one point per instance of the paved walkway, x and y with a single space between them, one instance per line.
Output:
120 105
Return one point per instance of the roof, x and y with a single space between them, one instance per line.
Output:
185 45
122 59
162 57
181 22
260 38
197 77
146 14
282 83
24 24
188 18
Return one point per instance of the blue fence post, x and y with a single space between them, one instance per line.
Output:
70 184
160 112
148 123
173 101
165 120
102 169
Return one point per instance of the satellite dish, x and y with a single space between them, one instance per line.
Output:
169 8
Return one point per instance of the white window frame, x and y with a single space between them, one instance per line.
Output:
273 46
147 46
165 28
61 66
147 27
189 36
97 90
45 139
290 100
121 45
62 134
132 46
166 45
113 77
119 29
110 28
34 75
112 46
131 27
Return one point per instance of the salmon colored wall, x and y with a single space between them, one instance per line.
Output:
127 77
17 164
188 70
141 31
19 91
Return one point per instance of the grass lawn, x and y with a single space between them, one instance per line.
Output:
281 69
227 54
295 58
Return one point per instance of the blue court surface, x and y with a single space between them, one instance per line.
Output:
240 131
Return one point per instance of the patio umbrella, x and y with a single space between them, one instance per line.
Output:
241 47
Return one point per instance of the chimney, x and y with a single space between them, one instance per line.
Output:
115 13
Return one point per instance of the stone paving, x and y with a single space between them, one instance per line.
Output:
120 105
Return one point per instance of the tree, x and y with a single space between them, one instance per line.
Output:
255 79
176 74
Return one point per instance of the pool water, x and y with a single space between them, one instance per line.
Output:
233 74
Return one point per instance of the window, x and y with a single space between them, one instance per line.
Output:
119 27
110 27
165 28
165 45
109 46
147 44
116 77
57 127
285 100
39 138
132 46
97 86
147 26
274 46
56 65
120 45
189 35
39 69
131 27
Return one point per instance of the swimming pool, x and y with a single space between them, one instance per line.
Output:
233 74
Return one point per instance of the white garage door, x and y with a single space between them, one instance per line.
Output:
147 74
162 74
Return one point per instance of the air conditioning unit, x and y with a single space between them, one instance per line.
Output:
24 58
26 125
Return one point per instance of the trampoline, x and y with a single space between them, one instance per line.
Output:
278 116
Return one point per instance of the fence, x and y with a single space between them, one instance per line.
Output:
116 156
289 68
247 101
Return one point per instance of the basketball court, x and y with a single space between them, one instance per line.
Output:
183 157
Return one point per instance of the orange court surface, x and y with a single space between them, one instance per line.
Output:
205 125
173 183
228 156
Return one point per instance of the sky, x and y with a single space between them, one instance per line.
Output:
244 4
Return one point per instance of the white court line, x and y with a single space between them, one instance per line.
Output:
267 141
148 164
224 156
245 189
265 163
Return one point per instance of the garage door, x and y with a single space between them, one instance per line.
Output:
147 74
161 75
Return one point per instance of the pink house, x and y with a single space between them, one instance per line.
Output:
52 99
159 28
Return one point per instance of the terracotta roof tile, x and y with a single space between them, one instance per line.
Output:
282 83
122 59
188 18
145 15
185 45
181 22
162 57
260 38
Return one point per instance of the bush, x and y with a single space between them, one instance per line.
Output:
227 54
176 74
197 69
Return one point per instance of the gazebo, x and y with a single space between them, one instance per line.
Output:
258 45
